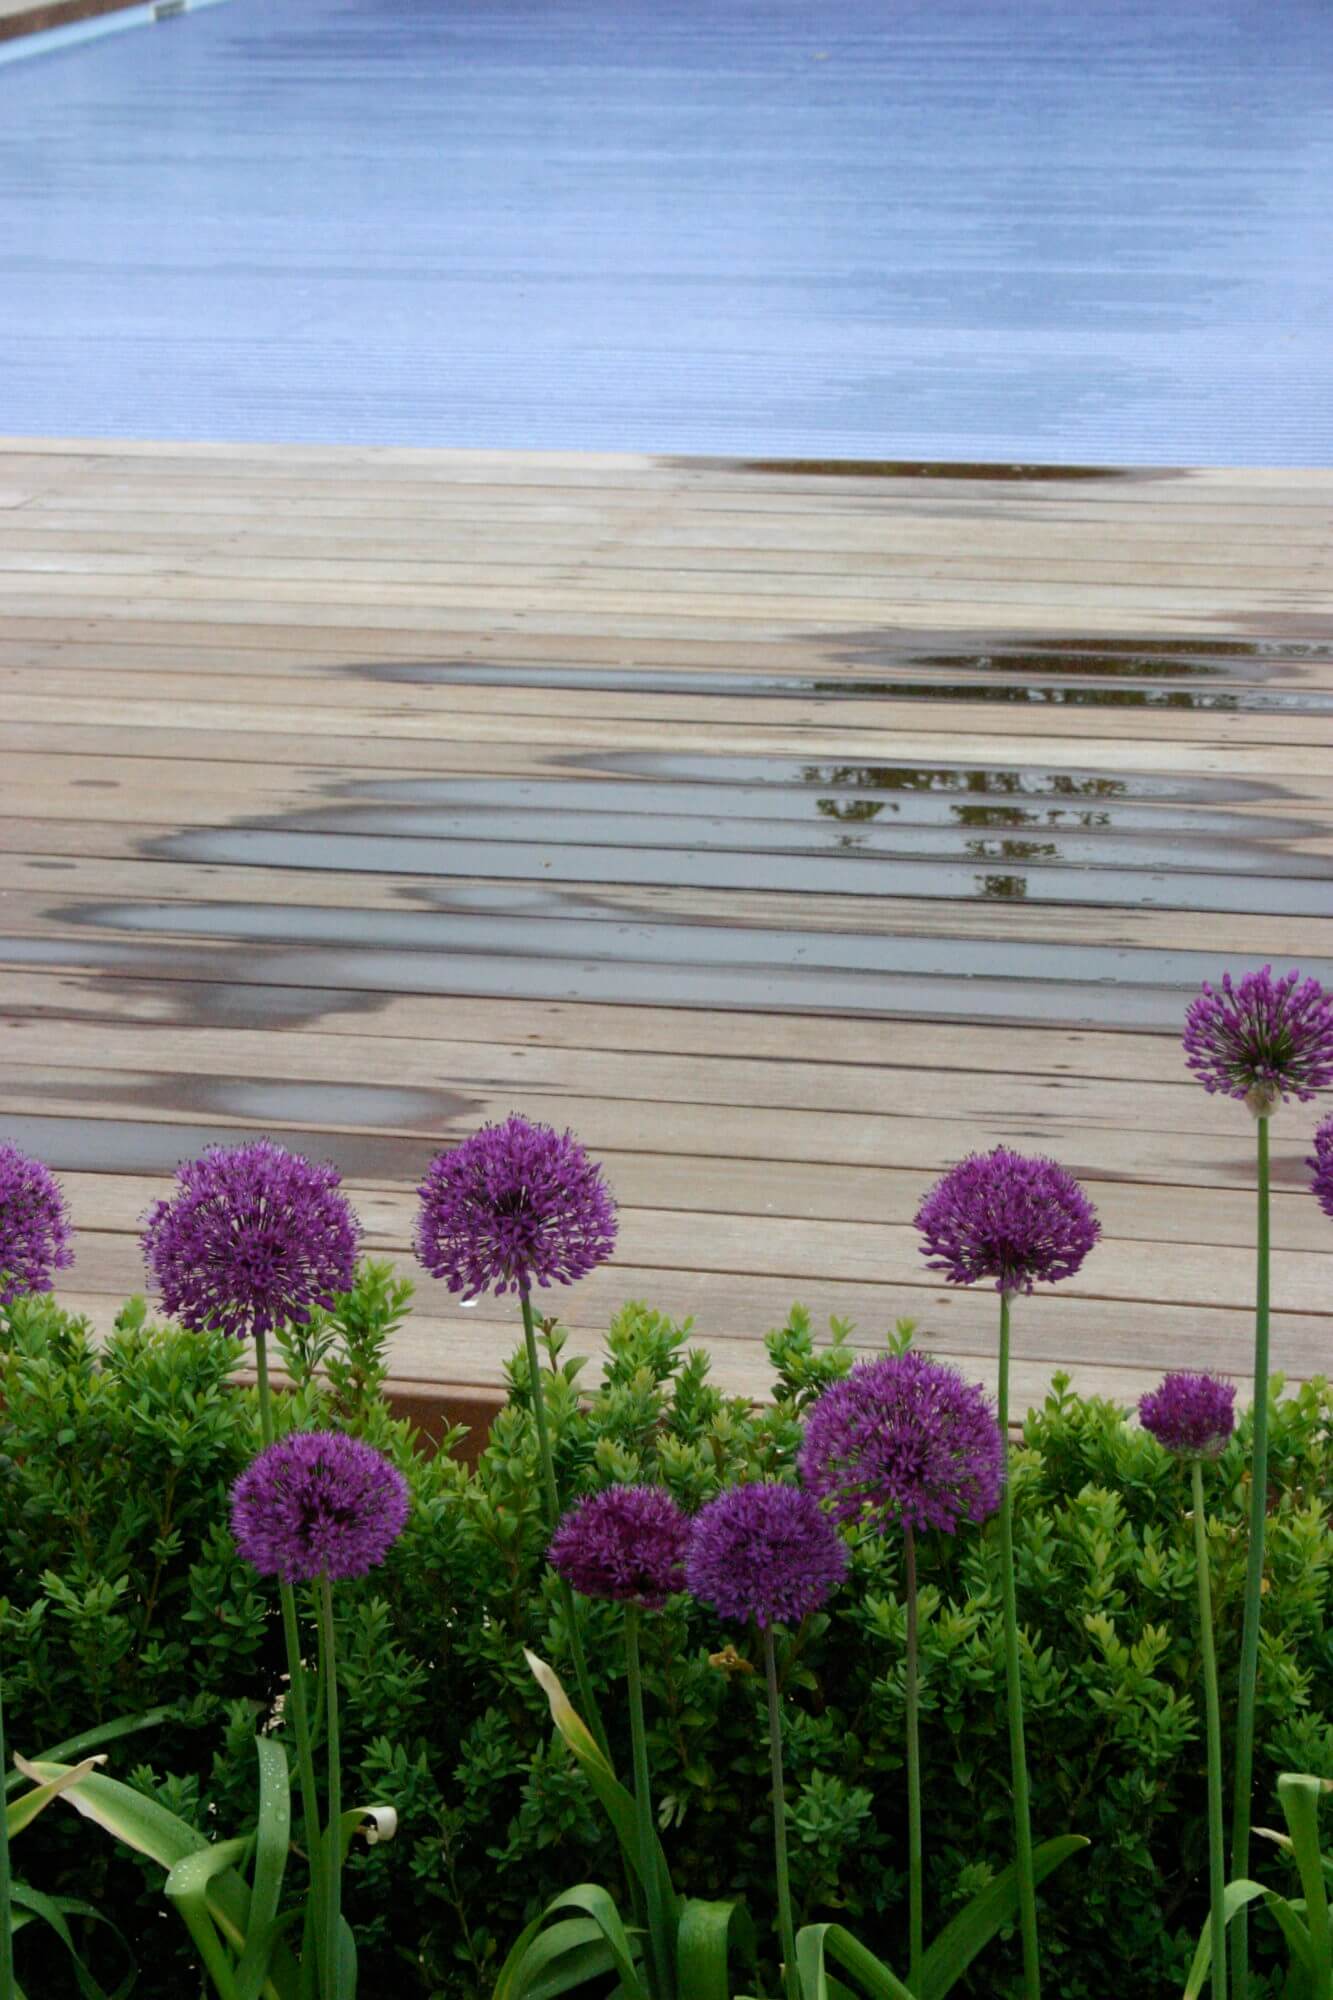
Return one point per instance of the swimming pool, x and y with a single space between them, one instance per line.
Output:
1089 234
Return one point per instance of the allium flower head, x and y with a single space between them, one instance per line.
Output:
316 1504
627 1543
766 1552
1192 1415
907 1440
1262 1039
34 1226
1321 1164
1003 1215
515 1204
254 1236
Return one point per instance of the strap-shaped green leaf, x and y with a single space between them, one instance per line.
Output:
705 1936
375 1824
594 1902
92 1739
819 1942
141 1823
953 1951
615 1801
53 1910
344 1971
561 1956
23 1811
1300 1797
187 1885
576 1969
272 1840
1234 1897
150 1829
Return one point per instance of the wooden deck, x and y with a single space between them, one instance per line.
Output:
786 833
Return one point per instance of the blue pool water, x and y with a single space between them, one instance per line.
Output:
1093 232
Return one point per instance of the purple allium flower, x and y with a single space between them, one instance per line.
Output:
1193 1415
1003 1215
254 1236
907 1440
627 1543
514 1204
34 1226
1262 1040
316 1504
1321 1164
766 1552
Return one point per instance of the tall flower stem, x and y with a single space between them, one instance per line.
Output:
6 1919
1027 1887
786 1927
587 1699
291 1631
662 1983
332 1842
1216 1837
915 1847
1254 1585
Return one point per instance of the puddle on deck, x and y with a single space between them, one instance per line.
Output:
549 886
918 468
1161 674
1090 680
775 825
282 1102
357 965
81 1144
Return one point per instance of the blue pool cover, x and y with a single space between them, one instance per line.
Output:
1088 231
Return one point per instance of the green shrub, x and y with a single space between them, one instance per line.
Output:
123 1591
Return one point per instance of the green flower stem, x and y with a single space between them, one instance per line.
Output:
6 1921
1027 1886
786 1928
661 1984
915 1850
587 1699
291 1631
332 1842
1254 1585
1217 1872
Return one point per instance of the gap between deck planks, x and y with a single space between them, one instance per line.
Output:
759 1155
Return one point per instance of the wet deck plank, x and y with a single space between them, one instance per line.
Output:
787 836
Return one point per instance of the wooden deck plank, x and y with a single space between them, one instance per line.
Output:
841 550
358 712
961 1323
558 1025
219 641
447 1066
45 895
810 1192
435 927
414 1123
